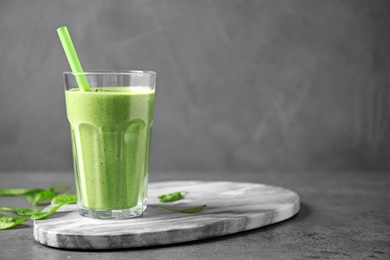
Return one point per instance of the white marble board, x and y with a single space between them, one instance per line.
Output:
231 207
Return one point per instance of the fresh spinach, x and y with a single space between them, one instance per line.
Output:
7 222
35 196
58 201
29 192
13 192
64 198
44 214
187 211
60 187
43 195
174 196
32 194
20 211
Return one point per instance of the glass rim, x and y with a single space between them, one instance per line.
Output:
113 72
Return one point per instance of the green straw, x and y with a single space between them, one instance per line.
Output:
73 60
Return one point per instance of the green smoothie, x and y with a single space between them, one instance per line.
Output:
110 130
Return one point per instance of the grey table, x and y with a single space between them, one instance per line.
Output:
344 215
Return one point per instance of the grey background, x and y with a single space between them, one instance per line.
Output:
241 85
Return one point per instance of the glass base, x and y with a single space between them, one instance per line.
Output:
111 214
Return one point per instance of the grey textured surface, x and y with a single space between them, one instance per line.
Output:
241 85
342 216
232 207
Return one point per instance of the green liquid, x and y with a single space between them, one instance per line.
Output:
110 130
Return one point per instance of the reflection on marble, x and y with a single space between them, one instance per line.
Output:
231 207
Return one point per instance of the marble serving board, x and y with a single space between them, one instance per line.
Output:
231 207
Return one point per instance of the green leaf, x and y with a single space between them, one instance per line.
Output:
42 196
20 211
6 218
174 196
7 222
65 199
31 194
188 211
13 192
44 214
35 196
60 187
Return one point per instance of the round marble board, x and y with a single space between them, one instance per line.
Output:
231 207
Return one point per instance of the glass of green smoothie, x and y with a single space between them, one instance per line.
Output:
111 125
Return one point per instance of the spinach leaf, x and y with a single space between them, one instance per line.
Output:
13 192
42 196
44 214
174 196
60 187
9 222
20 211
19 192
6 218
188 211
31 194
36 196
65 198
58 201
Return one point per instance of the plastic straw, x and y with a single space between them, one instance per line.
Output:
72 57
